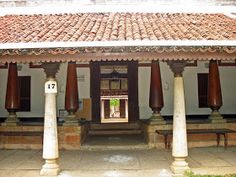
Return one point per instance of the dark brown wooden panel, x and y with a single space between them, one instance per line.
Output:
122 108
133 91
95 90
107 108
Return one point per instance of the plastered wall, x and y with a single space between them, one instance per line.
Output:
228 85
37 88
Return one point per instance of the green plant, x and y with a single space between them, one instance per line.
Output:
114 102
191 174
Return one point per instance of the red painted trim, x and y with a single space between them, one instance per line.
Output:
189 64
33 65
82 65
226 63
192 64
144 64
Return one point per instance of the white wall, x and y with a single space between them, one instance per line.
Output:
228 86
144 86
37 79
37 88
3 82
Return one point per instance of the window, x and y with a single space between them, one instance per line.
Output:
202 90
25 92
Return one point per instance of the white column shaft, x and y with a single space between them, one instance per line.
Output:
179 123
126 108
102 109
50 140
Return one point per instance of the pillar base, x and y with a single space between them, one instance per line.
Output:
216 117
179 166
156 119
12 120
50 168
70 120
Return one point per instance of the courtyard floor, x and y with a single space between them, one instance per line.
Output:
117 163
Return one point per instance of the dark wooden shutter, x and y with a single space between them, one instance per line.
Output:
25 92
133 91
202 89
95 90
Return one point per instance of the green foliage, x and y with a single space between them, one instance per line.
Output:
191 174
114 102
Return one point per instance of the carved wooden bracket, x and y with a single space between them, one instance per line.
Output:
177 67
51 68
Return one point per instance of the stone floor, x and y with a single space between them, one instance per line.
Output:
117 163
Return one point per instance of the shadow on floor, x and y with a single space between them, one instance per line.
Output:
105 142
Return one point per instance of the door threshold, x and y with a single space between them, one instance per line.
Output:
115 120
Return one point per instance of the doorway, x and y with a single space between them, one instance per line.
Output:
114 92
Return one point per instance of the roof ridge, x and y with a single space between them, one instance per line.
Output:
117 8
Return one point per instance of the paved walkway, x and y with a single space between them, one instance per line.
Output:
117 163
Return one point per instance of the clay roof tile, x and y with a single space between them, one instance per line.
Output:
116 26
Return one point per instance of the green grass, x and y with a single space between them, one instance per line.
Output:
191 174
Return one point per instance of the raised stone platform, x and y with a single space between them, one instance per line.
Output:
70 137
194 140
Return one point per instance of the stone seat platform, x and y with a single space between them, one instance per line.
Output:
168 133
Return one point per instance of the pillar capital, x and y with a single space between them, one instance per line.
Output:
177 67
51 69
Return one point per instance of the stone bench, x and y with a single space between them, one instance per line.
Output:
169 133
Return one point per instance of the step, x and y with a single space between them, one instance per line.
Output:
113 126
114 147
114 142
115 132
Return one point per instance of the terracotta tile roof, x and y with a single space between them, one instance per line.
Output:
116 26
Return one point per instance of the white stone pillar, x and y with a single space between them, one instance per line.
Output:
50 139
126 108
102 109
180 147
